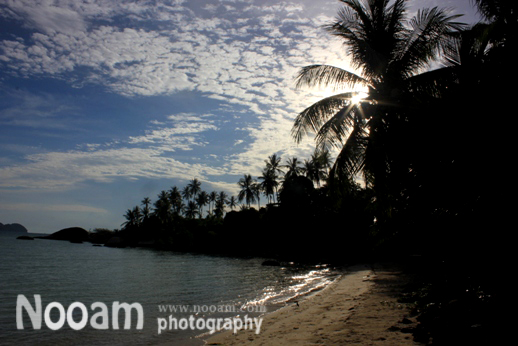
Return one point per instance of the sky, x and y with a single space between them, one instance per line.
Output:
105 102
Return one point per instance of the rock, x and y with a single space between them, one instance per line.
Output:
75 234
25 237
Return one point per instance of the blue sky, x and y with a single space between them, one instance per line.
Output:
105 102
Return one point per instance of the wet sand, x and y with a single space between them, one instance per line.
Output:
358 308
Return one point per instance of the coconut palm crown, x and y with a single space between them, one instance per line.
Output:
392 55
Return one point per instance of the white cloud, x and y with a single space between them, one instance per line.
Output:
245 58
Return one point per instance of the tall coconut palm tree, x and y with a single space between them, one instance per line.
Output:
269 183
146 202
201 200
175 198
212 200
391 55
317 167
163 207
133 217
273 163
247 191
186 192
293 168
194 187
221 202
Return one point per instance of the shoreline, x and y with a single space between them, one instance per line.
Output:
360 307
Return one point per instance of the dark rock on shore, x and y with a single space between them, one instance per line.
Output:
74 234
25 237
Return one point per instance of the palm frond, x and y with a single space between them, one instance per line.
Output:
351 159
424 40
316 115
336 130
327 75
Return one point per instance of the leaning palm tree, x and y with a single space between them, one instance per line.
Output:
391 55
247 191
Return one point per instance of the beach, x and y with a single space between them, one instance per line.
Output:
360 307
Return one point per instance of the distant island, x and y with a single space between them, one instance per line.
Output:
13 227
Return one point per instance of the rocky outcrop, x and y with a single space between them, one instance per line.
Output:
74 234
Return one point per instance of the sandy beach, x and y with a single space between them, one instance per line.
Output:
361 307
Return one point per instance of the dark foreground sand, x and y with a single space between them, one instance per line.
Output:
359 308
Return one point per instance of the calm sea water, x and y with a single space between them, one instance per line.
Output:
65 272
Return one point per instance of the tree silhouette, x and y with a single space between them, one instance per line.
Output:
201 200
247 191
146 211
194 187
293 168
163 207
269 183
212 200
390 57
191 210
232 202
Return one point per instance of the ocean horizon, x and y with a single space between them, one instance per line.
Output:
171 287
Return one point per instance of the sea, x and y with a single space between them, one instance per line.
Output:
171 287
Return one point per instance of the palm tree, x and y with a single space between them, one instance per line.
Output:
212 199
146 202
270 176
175 198
273 164
232 202
186 193
317 167
391 58
133 217
163 207
191 210
201 200
294 168
247 192
269 183
221 202
257 191
194 188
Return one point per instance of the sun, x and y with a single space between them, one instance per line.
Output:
358 97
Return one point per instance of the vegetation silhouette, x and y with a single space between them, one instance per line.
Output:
411 181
